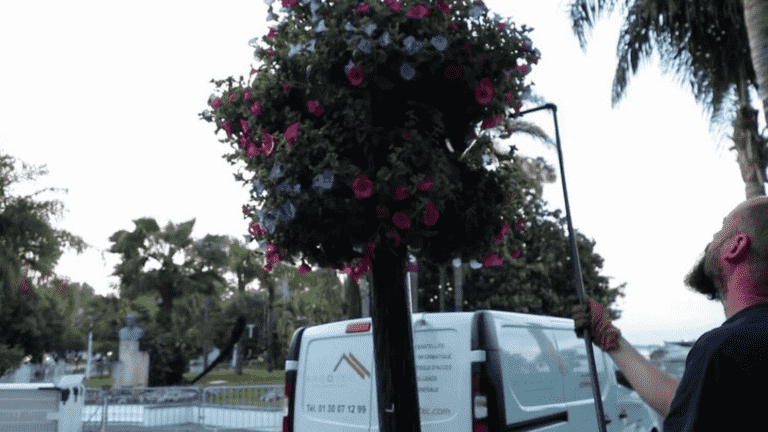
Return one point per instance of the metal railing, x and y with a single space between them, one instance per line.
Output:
217 406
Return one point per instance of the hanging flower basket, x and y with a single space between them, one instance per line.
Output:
370 124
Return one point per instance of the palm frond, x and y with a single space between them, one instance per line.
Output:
584 14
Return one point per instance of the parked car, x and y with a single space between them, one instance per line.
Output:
530 372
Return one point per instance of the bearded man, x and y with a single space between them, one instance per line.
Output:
725 383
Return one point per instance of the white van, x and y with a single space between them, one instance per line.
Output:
476 371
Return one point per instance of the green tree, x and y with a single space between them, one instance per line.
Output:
706 43
27 240
200 274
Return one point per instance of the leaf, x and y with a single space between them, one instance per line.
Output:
383 83
147 225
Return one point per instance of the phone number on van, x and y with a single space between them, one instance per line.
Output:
339 409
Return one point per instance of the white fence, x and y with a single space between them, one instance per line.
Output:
255 407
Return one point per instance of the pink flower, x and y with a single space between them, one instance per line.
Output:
520 224
252 150
453 72
246 95
362 187
411 268
231 97
270 52
271 33
401 192
426 185
363 8
245 210
286 87
492 260
227 128
394 236
454 25
364 265
484 92
253 71
268 267
508 97
431 214
304 268
289 3
244 126
291 133
515 254
355 275
401 220
535 60
369 249
491 122
505 227
407 136
466 46
523 69
314 107
355 75
216 103
443 7
346 269
394 5
518 105
502 25
267 143
243 141
256 109
418 12
382 212
257 230
506 201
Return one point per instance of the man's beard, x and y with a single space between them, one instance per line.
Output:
698 279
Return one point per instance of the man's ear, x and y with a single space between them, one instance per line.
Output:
736 248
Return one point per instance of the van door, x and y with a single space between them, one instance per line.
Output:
443 372
334 385
532 375
577 384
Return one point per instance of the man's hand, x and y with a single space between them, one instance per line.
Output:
594 316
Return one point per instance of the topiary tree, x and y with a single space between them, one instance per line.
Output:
366 130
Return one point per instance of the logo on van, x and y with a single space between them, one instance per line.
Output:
355 364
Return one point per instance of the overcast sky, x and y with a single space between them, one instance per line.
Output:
107 95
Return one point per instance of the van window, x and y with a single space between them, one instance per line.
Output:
573 352
530 366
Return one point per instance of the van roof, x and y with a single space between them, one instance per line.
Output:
542 320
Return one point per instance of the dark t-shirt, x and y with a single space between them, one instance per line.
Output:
725 383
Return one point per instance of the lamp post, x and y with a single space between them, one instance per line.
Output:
577 271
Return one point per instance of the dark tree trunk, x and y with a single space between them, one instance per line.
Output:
393 343
352 299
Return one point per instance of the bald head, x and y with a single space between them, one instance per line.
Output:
741 244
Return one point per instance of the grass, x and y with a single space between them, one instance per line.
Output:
251 376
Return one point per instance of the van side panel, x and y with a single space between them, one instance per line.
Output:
334 392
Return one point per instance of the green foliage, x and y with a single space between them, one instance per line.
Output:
27 238
390 129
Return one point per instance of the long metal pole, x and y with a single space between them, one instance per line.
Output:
577 271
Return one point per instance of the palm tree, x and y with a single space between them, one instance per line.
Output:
756 19
706 42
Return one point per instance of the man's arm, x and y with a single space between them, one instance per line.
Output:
655 387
